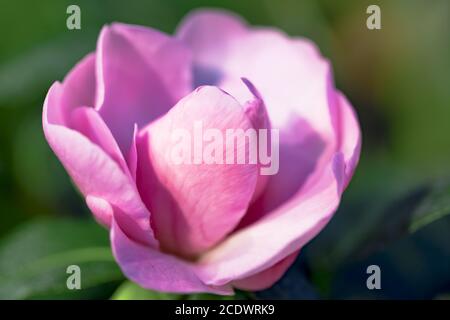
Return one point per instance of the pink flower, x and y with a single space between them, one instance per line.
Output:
200 227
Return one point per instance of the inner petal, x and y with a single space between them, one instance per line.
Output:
195 205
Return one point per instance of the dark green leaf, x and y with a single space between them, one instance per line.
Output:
436 205
34 260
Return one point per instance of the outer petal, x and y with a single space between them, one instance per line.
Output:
349 136
170 58
140 75
79 88
88 122
256 112
291 75
155 270
92 170
268 277
195 205
211 35
75 108
301 157
279 234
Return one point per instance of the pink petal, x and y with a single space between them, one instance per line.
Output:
194 206
132 155
169 57
78 87
256 112
296 84
94 172
155 270
88 122
301 157
75 105
210 34
265 279
294 81
311 207
102 210
277 235
140 75
349 136
290 74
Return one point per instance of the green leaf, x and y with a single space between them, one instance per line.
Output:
131 291
407 214
373 216
435 206
401 229
364 213
34 260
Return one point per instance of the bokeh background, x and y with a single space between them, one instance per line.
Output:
395 213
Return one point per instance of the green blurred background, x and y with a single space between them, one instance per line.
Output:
394 214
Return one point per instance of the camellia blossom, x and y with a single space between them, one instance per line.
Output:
202 227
